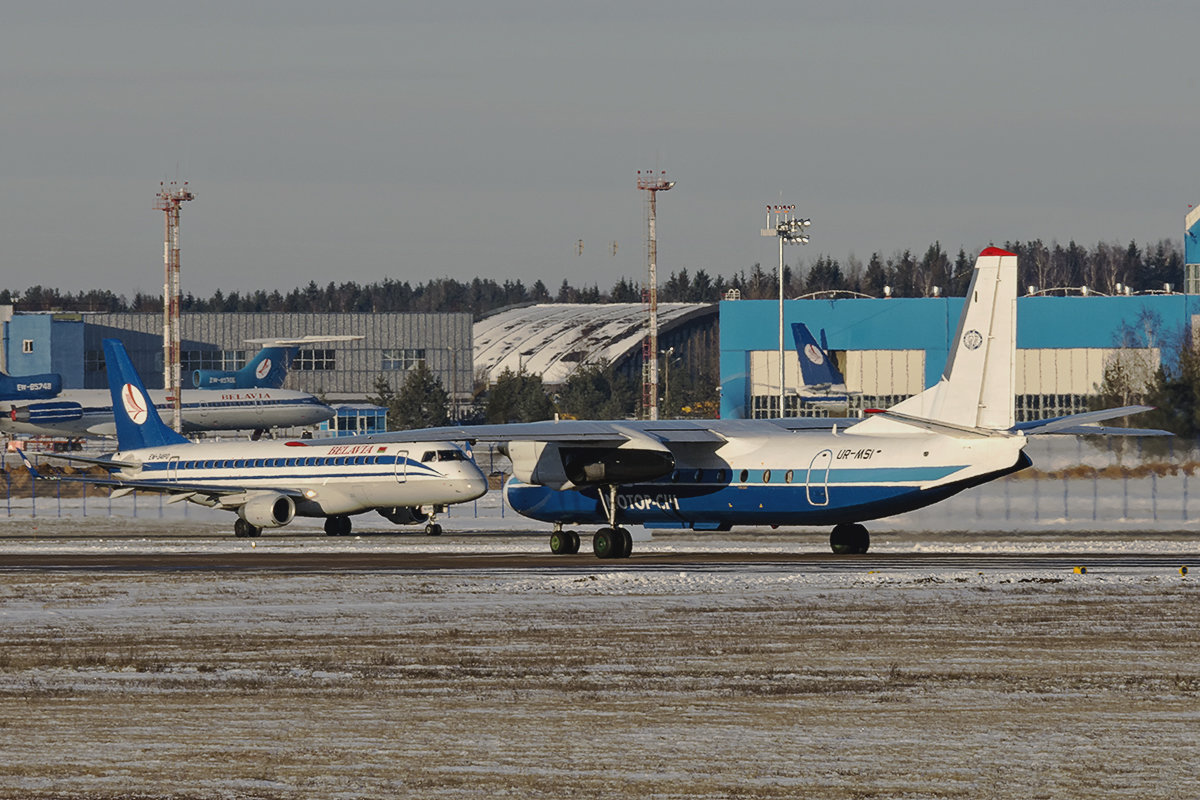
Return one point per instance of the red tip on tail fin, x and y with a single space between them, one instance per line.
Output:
995 251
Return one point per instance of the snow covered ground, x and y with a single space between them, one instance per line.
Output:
613 683
609 680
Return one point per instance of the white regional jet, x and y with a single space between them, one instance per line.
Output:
268 483
713 475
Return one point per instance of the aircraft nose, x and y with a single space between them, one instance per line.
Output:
474 482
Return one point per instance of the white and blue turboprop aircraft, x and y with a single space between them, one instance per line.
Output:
713 475
267 484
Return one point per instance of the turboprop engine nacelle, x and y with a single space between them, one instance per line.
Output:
268 510
566 467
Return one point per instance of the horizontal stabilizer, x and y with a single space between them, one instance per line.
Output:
110 463
1067 424
1102 430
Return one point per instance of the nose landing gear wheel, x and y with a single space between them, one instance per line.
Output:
849 539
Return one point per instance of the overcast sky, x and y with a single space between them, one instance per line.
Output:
358 141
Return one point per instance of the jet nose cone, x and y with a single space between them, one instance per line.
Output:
474 487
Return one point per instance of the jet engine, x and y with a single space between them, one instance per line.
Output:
404 515
54 411
268 510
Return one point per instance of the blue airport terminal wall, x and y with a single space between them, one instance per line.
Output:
58 341
929 324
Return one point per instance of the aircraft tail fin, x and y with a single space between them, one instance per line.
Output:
266 370
816 366
976 388
30 387
138 423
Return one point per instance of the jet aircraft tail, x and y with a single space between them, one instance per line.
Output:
266 370
138 423
816 365
30 387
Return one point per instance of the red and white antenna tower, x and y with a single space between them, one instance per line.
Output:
170 197
652 184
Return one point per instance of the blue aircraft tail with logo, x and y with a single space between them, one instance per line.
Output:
30 387
266 370
138 423
817 369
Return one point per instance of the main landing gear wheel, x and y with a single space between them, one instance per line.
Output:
433 529
338 525
849 538
564 543
244 530
612 543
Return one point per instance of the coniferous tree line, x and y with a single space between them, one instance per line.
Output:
1045 266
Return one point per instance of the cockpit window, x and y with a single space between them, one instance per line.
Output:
443 455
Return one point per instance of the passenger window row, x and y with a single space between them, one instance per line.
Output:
718 476
264 463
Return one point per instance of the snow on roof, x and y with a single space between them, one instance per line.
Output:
554 339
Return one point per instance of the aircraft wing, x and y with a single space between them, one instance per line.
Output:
579 432
300 341
600 433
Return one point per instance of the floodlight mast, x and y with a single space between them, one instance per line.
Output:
652 184
788 229
170 197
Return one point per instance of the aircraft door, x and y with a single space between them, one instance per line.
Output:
401 466
173 470
817 482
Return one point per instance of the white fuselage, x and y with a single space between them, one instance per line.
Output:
89 412
324 480
804 478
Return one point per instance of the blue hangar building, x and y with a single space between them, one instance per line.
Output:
891 348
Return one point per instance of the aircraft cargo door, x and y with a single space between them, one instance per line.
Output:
818 478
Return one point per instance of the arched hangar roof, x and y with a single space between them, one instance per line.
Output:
554 339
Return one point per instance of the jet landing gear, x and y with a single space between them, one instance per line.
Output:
337 525
849 538
432 528
244 530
